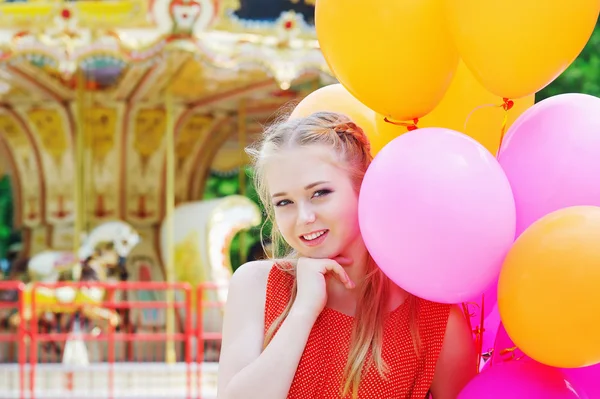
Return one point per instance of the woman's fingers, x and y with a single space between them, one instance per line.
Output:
340 273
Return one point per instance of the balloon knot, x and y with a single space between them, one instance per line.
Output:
508 104
409 126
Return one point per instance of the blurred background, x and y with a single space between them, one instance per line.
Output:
123 125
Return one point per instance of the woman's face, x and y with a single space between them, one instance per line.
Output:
315 202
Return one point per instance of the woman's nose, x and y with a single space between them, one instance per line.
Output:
306 215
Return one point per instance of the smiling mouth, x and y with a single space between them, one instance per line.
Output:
314 237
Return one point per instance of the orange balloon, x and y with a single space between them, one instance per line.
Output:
517 47
396 57
548 294
465 101
335 98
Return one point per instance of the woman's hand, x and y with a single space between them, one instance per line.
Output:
311 275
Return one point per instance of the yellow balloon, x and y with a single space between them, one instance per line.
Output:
517 47
548 294
335 98
396 57
465 101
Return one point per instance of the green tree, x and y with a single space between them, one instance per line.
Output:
221 185
6 215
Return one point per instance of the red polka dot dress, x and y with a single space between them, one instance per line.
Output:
320 371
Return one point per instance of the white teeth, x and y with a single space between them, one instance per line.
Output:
313 236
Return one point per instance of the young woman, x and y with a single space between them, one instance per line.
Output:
324 321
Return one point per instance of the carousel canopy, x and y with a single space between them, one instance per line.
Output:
104 70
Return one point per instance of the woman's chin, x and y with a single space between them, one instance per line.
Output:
323 254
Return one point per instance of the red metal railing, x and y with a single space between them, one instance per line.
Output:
205 337
19 337
185 332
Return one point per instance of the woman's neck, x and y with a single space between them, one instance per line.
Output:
355 262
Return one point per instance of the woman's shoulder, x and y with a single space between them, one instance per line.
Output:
247 288
433 316
267 284
256 274
251 274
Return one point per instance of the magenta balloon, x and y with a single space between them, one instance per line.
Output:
490 325
520 380
587 379
437 214
505 349
551 156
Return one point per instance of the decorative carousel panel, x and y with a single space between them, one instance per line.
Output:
186 17
103 71
283 58
189 140
143 264
93 14
221 133
194 80
44 64
229 158
28 166
27 14
14 89
103 168
161 76
144 161
42 85
111 14
133 79
53 134
37 240
61 237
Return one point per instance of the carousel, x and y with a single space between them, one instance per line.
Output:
117 121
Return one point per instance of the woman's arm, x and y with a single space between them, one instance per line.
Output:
245 370
457 363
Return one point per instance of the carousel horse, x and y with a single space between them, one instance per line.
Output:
101 258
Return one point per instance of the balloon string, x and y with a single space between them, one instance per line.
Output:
409 126
478 331
477 109
508 104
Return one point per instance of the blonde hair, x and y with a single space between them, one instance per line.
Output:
352 148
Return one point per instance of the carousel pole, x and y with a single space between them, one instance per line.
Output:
79 196
170 355
242 172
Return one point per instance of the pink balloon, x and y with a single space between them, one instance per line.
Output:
490 325
587 379
437 214
550 155
505 349
520 380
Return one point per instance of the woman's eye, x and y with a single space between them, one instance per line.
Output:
321 193
282 203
